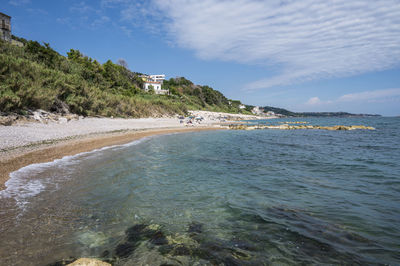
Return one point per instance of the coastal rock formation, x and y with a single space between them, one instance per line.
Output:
289 127
45 117
220 117
8 119
89 262
295 122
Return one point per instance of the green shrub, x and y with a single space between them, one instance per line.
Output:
37 77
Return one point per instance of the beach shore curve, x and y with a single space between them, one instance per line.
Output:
51 150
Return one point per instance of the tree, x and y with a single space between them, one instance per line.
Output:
123 63
151 89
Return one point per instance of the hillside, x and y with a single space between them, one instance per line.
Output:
281 111
35 76
311 114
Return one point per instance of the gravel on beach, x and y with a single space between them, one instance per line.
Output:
19 135
24 134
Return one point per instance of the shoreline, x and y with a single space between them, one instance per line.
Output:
50 150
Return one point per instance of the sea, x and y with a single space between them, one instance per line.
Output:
226 197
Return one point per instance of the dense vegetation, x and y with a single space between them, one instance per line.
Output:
281 111
332 114
311 114
35 76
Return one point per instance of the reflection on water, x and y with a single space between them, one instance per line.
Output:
209 198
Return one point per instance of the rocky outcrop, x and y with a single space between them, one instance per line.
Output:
45 117
291 127
36 116
9 120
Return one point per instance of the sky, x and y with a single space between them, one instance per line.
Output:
309 55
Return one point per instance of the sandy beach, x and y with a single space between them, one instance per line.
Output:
28 143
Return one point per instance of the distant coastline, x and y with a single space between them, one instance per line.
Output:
286 112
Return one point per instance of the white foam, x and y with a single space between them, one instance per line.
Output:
21 187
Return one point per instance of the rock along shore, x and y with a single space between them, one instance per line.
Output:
291 127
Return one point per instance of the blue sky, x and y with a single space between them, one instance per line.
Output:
305 55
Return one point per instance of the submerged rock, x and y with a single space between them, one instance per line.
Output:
62 262
243 245
137 234
141 232
158 238
181 250
92 239
195 228
124 250
182 239
165 249
188 248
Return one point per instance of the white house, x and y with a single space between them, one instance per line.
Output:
155 82
156 87
157 78
270 113
242 106
257 110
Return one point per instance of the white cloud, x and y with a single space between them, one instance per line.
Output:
305 40
126 30
314 101
81 8
113 3
64 21
370 95
376 96
100 21
19 2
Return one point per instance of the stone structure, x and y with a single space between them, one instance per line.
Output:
5 27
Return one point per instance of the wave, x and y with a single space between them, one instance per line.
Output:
21 187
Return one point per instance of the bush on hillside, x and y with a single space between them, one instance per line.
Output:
35 76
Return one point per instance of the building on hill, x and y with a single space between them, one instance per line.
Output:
158 78
154 82
5 27
270 113
257 110
155 78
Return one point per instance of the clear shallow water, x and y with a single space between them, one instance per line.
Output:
231 197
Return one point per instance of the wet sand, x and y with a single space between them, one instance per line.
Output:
13 160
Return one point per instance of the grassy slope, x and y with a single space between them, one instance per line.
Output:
37 77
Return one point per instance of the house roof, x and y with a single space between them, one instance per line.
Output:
154 82
4 15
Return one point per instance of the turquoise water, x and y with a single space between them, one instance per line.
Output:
265 197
